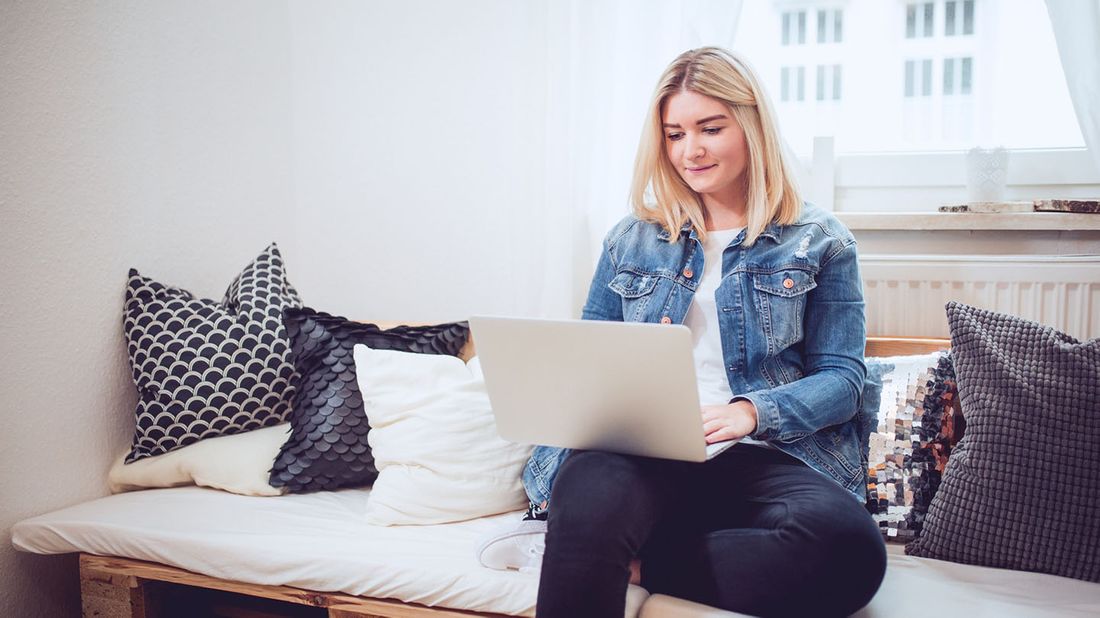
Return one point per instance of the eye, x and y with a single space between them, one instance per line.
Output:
672 137
713 130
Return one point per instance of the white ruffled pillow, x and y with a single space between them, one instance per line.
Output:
237 463
434 440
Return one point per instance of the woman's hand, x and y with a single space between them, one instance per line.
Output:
730 421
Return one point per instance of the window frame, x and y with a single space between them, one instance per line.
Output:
890 183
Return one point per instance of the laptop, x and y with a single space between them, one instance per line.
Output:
623 387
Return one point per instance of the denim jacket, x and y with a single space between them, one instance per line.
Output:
790 314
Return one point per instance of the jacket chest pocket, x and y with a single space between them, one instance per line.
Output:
781 299
636 291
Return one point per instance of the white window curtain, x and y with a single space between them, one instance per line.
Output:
1077 30
604 58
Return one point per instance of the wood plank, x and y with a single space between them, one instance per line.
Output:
339 605
900 346
107 594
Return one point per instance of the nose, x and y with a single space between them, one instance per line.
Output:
693 148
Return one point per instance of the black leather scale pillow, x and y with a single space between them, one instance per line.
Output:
328 445
203 368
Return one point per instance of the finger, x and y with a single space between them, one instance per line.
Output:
716 437
725 433
710 427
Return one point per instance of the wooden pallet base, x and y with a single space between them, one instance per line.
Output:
125 588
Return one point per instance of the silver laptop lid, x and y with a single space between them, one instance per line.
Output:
617 386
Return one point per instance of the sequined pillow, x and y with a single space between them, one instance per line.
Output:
328 446
1022 489
918 423
204 368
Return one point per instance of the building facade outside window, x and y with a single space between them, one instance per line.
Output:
794 28
830 25
792 84
920 20
957 75
828 82
958 17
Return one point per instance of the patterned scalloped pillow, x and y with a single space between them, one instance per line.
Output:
328 446
204 368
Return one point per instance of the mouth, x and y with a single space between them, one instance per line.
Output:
700 170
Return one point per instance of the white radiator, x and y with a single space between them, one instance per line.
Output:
906 294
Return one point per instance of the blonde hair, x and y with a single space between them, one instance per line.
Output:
772 194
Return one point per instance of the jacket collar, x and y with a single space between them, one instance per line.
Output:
772 231
685 229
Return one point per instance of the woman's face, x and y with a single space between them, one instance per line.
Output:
707 147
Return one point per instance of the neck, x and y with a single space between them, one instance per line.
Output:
723 214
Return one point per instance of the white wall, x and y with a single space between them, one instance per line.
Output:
418 150
153 135
391 148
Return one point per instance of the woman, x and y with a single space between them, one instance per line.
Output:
770 289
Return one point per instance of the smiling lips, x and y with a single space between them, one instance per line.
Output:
700 170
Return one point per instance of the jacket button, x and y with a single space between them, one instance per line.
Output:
788 283
666 320
688 272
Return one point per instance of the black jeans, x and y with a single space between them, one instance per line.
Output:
753 530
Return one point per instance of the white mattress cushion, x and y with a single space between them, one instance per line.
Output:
317 541
321 542
938 589
434 440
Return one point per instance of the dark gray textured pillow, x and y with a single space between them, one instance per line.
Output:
1022 488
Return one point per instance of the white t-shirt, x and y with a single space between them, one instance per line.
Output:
702 319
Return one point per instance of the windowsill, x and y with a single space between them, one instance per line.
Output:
1057 221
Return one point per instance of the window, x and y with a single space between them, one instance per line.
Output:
794 28
957 75
917 94
964 86
918 78
828 82
829 25
919 20
792 84
952 17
